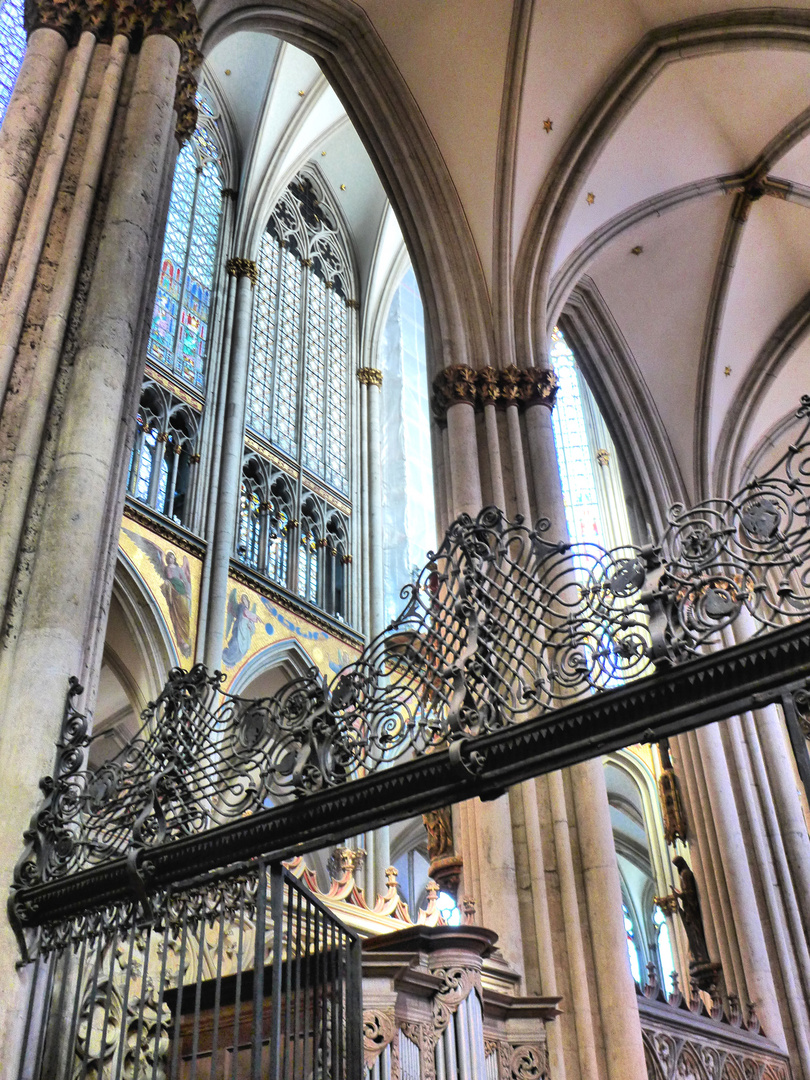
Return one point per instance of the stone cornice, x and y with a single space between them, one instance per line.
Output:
492 386
136 19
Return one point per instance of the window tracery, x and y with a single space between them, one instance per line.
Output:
163 459
179 332
12 49
298 391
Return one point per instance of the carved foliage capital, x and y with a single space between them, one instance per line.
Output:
243 268
369 376
492 386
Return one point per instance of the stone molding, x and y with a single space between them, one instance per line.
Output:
502 387
136 19
243 268
369 376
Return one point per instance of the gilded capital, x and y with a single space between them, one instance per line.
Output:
369 376
454 385
538 387
243 268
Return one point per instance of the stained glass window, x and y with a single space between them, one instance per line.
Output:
573 451
632 950
666 957
182 305
12 49
298 389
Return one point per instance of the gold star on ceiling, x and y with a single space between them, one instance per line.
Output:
590 198
637 250
547 126
726 370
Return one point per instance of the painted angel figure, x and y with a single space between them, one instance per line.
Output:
242 620
176 587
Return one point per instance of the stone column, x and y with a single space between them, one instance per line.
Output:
37 400
370 380
24 124
221 549
58 599
745 909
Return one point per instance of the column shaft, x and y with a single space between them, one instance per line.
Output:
62 597
621 1030
230 471
38 400
23 128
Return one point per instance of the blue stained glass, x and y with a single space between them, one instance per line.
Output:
12 49
179 331
632 951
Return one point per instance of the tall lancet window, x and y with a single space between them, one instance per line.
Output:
298 399
595 506
179 334
165 454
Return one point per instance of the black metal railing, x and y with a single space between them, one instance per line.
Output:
501 626
241 974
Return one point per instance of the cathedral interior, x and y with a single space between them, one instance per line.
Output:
387 390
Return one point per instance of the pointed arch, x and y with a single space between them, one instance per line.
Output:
388 120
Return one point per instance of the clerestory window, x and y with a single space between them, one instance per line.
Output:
178 338
295 510
12 49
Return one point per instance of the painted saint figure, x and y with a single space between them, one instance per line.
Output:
175 587
242 620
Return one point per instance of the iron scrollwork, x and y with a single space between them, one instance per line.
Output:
501 625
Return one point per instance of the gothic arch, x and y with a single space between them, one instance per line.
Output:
288 659
138 636
379 104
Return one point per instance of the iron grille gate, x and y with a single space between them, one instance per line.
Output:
239 974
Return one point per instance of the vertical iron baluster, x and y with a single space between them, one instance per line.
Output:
237 1008
77 1000
46 1013
339 991
299 1027
258 972
167 917
287 883
309 1004
277 919
56 959
195 1038
125 999
354 1010
29 1017
93 991
324 976
223 915
180 986
333 985
110 979
316 988
136 1061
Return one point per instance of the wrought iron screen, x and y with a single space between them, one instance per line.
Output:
502 626
239 974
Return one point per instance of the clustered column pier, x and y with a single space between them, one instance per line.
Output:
105 94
